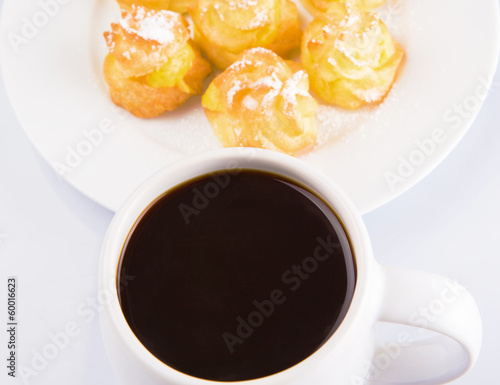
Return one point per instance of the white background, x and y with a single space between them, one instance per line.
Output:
50 237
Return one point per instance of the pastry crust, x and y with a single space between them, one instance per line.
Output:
180 6
225 28
262 101
350 56
152 66
317 7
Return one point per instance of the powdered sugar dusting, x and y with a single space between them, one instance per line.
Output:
274 87
265 90
261 18
360 43
333 62
336 123
261 14
291 89
370 95
274 84
351 18
351 49
235 88
250 103
182 131
109 41
242 4
327 29
156 26
239 65
259 50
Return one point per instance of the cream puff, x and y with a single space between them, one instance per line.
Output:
225 28
262 101
350 56
152 65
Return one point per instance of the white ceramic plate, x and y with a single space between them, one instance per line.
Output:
51 54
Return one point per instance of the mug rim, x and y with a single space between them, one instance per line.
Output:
205 163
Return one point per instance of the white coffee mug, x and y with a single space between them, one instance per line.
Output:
352 355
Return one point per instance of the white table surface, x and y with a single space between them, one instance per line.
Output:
50 237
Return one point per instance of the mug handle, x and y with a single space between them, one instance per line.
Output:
436 303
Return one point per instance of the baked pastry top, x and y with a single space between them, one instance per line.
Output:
180 6
316 7
350 56
225 28
262 101
152 65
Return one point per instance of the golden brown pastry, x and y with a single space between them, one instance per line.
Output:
180 6
316 7
152 66
225 28
350 56
262 101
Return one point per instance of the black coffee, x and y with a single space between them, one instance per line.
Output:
236 276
